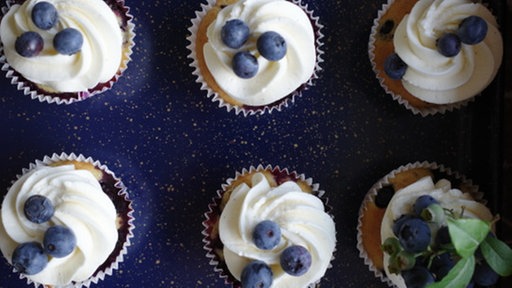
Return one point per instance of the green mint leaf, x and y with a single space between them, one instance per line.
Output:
467 234
459 276
498 255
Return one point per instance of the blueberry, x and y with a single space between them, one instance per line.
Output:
423 202
472 30
295 260
59 241
29 258
443 236
417 277
401 261
414 235
44 15
441 265
256 274
29 44
38 209
391 246
395 67
398 223
234 33
384 195
245 65
484 275
448 45
271 46
68 41
266 235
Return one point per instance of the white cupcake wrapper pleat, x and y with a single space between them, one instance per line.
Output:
245 111
122 193
214 260
370 196
440 109
39 94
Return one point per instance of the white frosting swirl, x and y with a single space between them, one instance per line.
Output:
451 199
302 220
98 60
433 77
275 79
80 204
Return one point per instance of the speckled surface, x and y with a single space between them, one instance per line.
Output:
173 147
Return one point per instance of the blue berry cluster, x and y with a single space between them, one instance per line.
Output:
422 258
472 30
58 241
295 260
271 46
45 16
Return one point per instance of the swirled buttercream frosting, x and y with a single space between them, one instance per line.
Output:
449 198
433 77
80 204
97 61
301 217
275 79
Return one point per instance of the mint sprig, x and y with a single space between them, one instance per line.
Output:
467 235
498 255
459 276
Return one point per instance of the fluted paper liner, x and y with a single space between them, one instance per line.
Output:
38 93
441 109
245 109
214 211
123 205
370 197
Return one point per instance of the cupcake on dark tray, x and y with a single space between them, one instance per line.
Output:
66 222
62 51
272 227
434 56
255 56
423 225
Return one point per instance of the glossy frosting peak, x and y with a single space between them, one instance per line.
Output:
98 60
301 217
80 204
433 77
274 80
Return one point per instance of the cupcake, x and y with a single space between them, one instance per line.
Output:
63 51
435 55
65 222
269 226
255 55
423 224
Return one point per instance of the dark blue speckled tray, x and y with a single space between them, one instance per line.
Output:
173 147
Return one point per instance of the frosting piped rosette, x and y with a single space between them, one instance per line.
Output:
273 79
271 227
99 57
79 203
255 56
63 51
434 56
434 77
424 225
66 222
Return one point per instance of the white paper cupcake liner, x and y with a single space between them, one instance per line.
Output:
441 109
211 221
253 110
122 193
36 93
472 189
